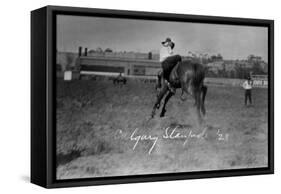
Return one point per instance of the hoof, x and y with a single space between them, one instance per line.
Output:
183 98
152 114
163 113
204 112
158 106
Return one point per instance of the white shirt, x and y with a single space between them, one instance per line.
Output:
165 52
247 86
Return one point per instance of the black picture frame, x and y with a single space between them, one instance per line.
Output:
43 93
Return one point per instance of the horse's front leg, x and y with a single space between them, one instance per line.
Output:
170 94
161 94
159 80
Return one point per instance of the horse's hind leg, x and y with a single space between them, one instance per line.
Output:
204 92
169 95
187 89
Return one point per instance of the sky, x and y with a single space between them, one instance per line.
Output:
231 41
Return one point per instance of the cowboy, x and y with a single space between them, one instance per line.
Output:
248 85
168 61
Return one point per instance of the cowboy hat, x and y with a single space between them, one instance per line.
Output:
167 40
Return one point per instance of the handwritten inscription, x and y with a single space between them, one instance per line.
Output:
138 136
172 133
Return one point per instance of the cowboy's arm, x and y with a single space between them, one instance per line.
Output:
244 85
170 50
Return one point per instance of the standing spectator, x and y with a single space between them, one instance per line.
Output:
248 85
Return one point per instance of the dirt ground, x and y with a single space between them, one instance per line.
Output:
105 130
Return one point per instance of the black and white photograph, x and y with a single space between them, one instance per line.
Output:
142 97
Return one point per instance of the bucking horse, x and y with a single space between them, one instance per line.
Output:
189 77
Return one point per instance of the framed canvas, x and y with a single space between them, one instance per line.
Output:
126 96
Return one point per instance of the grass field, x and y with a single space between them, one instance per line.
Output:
104 130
